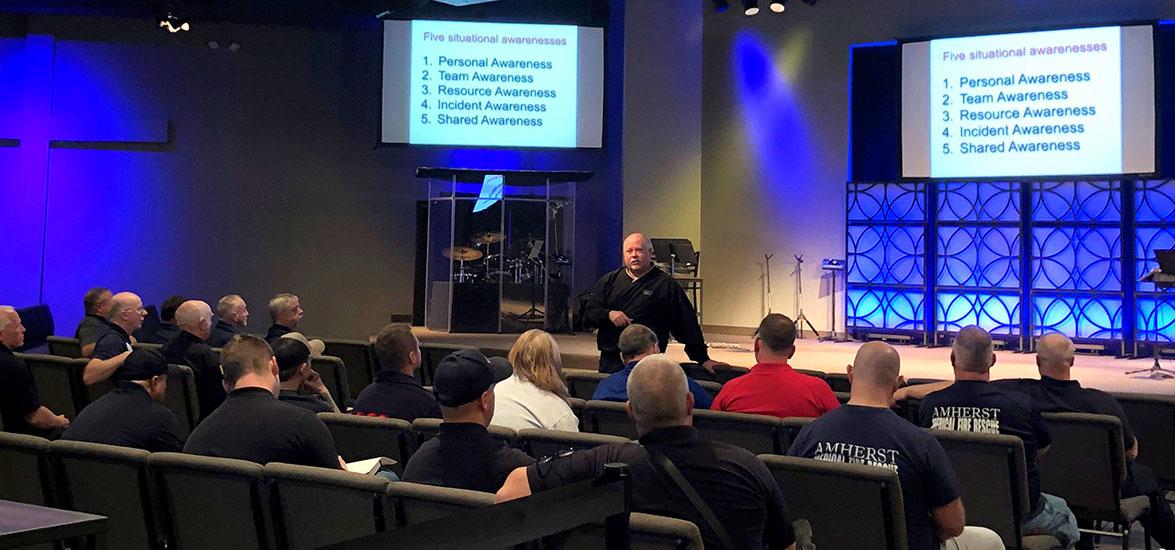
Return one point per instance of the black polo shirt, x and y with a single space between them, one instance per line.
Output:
90 329
18 394
276 331
464 456
188 349
166 333
253 425
655 300
733 482
222 332
311 402
396 395
874 436
1052 395
975 406
112 343
127 416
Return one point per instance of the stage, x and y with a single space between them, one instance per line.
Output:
1104 373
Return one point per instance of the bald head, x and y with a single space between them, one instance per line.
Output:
876 366
1054 355
637 252
195 316
658 394
972 351
126 311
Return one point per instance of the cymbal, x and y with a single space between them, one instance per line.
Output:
461 253
488 237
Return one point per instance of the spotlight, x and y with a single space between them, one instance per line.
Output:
721 5
234 47
778 6
173 23
750 7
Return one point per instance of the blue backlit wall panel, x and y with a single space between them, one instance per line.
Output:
978 257
1077 258
886 253
1078 316
979 202
881 308
1150 328
995 313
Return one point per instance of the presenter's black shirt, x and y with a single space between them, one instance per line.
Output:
112 343
18 394
464 456
874 436
128 417
188 349
222 332
655 300
253 425
732 481
983 407
1052 395
396 395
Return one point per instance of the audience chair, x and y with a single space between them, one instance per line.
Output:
25 475
148 345
543 443
791 428
646 532
59 382
1085 465
1152 418
334 376
432 353
364 437
610 417
579 407
315 507
111 481
842 397
720 375
847 505
991 472
838 381
417 503
211 502
711 388
582 383
756 433
427 428
70 348
181 397
817 373
359 360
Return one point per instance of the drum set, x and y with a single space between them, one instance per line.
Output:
478 263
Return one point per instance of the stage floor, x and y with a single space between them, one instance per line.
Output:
1104 373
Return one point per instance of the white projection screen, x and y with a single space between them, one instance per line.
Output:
1050 103
462 83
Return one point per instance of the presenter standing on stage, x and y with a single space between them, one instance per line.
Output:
638 292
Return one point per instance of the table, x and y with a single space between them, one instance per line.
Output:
26 524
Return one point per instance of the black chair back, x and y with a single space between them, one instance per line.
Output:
543 443
753 432
212 502
334 376
70 348
316 507
432 353
991 472
25 476
1085 464
838 381
582 384
1152 418
417 503
610 417
364 437
59 382
359 360
720 375
111 481
181 397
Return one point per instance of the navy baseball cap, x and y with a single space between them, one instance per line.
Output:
141 364
462 376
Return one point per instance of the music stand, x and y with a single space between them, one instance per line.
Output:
1161 277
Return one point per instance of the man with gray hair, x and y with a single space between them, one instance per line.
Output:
637 342
972 404
734 485
20 406
190 348
232 315
96 303
126 316
286 311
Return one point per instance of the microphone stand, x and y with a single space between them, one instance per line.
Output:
767 262
801 319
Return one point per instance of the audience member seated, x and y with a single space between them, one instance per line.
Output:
96 302
252 424
972 404
300 385
20 407
286 312
126 316
732 482
463 454
130 415
168 329
773 387
535 396
189 348
866 431
637 342
395 392
232 315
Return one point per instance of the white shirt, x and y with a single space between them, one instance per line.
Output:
521 405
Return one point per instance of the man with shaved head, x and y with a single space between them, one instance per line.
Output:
866 431
232 315
731 481
639 292
125 316
973 404
194 318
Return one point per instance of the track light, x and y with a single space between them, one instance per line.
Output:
778 6
173 23
721 5
750 7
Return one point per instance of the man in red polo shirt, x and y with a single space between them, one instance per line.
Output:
772 387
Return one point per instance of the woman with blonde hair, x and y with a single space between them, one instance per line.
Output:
535 396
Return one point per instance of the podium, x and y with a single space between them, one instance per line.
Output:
499 249
1162 277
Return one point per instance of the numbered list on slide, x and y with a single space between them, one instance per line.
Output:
1026 104
506 84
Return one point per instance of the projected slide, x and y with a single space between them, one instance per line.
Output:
1027 104
491 84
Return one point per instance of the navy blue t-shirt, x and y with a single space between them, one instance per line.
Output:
874 436
982 407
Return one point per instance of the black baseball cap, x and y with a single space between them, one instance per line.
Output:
462 376
141 364
290 353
